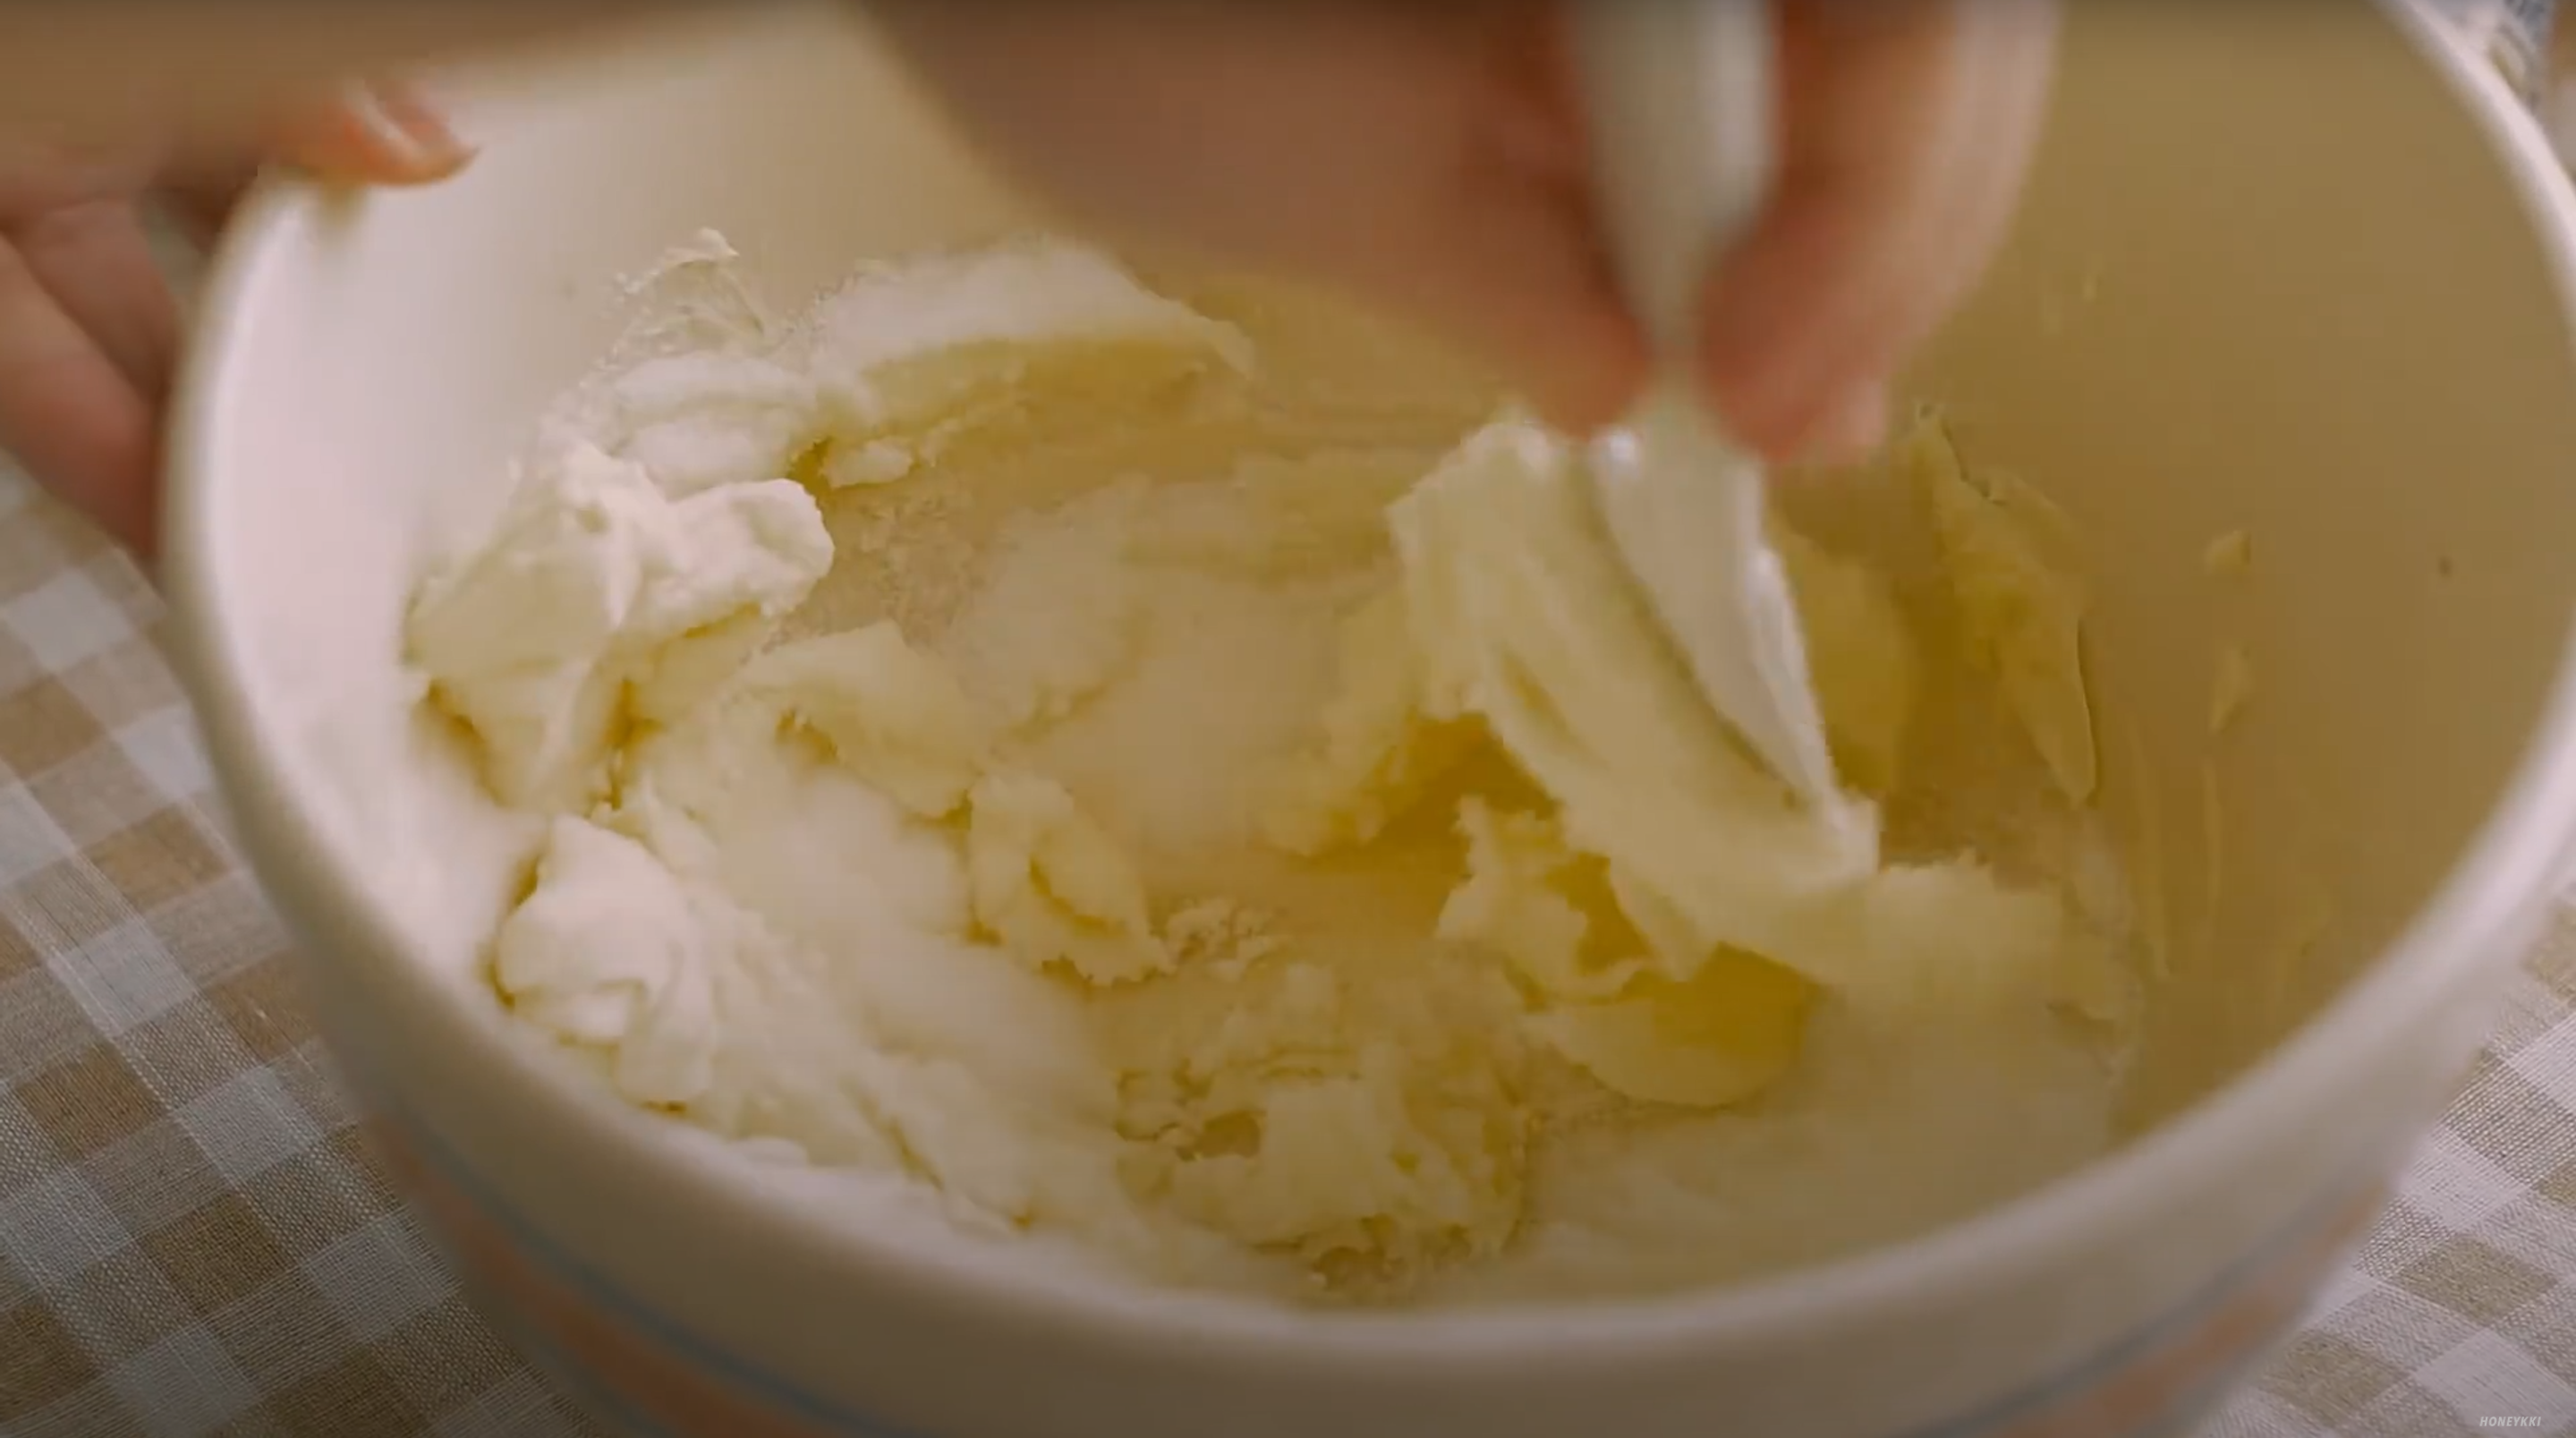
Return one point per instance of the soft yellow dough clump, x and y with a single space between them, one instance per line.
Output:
1227 810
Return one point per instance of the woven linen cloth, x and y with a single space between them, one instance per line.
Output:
193 1239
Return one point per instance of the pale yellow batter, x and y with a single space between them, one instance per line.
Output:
1226 810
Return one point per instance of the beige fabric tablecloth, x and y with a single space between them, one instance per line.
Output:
192 1240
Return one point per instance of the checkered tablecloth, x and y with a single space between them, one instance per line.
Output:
193 1239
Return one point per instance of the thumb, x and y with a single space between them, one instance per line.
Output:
386 133
382 134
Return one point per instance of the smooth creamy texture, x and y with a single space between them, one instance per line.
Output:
1215 816
1525 623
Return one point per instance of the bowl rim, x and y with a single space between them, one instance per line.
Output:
2485 903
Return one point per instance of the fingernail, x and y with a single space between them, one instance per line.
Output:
411 130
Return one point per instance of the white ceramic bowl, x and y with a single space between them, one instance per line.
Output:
2299 270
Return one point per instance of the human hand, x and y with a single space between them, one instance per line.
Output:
89 328
1432 157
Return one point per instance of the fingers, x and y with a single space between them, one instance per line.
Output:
89 330
69 414
142 68
1464 199
387 133
96 263
1411 155
38 175
1499 247
1510 267
1907 125
1536 289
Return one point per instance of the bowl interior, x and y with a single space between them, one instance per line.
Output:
2309 313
